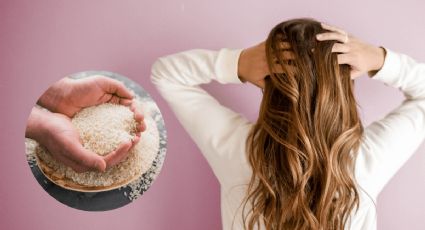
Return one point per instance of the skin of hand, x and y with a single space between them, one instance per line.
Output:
68 96
117 156
362 57
62 140
252 65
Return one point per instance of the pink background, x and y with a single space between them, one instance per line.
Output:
43 41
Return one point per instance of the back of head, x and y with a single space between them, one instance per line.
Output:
303 147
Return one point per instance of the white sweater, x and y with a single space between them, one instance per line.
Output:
220 133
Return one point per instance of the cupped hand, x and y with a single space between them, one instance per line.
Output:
57 134
117 156
68 96
362 57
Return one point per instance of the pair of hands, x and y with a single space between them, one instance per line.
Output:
360 56
53 129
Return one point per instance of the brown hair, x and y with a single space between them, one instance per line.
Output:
303 147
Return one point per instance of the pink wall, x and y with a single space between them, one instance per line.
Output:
42 41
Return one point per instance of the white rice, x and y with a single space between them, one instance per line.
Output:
102 128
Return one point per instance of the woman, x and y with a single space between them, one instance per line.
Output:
307 163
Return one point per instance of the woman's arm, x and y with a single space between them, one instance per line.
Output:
392 140
389 142
219 132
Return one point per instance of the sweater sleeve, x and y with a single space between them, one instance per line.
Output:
391 141
218 131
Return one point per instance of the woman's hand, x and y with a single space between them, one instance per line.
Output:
362 57
252 65
57 134
68 96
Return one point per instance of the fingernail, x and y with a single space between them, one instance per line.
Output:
318 36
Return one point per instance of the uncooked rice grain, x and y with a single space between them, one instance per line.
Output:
102 128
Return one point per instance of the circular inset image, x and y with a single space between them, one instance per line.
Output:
95 141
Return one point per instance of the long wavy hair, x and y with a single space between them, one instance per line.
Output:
302 149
